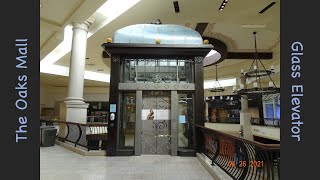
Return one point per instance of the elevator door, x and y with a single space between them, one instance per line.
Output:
156 122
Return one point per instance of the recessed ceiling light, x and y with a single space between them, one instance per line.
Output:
223 4
87 58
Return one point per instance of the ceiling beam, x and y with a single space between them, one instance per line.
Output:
53 25
105 54
249 55
201 27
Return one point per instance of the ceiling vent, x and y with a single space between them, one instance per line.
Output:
176 6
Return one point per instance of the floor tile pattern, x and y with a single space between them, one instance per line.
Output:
58 163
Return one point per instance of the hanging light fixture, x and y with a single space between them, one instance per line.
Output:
216 86
257 71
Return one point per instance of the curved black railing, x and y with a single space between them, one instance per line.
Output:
265 122
241 159
92 136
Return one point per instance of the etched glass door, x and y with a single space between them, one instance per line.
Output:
156 123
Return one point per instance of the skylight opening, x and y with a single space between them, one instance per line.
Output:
110 10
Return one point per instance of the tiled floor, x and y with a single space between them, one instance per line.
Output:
58 163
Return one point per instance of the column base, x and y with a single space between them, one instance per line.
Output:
76 111
245 118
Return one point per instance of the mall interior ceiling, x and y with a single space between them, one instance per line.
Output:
232 25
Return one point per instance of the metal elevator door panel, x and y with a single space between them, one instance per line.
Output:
156 122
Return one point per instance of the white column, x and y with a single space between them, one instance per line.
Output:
245 115
76 108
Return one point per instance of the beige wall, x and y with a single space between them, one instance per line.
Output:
227 128
266 132
49 96
261 131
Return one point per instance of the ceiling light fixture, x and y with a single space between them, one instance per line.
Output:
216 86
223 5
256 71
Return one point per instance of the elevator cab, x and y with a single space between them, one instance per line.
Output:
156 90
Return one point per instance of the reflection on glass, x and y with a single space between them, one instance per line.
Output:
272 108
158 70
127 121
185 120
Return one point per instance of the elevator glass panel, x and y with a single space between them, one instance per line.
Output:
128 119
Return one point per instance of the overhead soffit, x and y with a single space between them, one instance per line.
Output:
239 39
58 11
45 34
226 27
53 15
62 81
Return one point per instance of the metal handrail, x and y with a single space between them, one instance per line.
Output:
265 122
86 135
240 158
